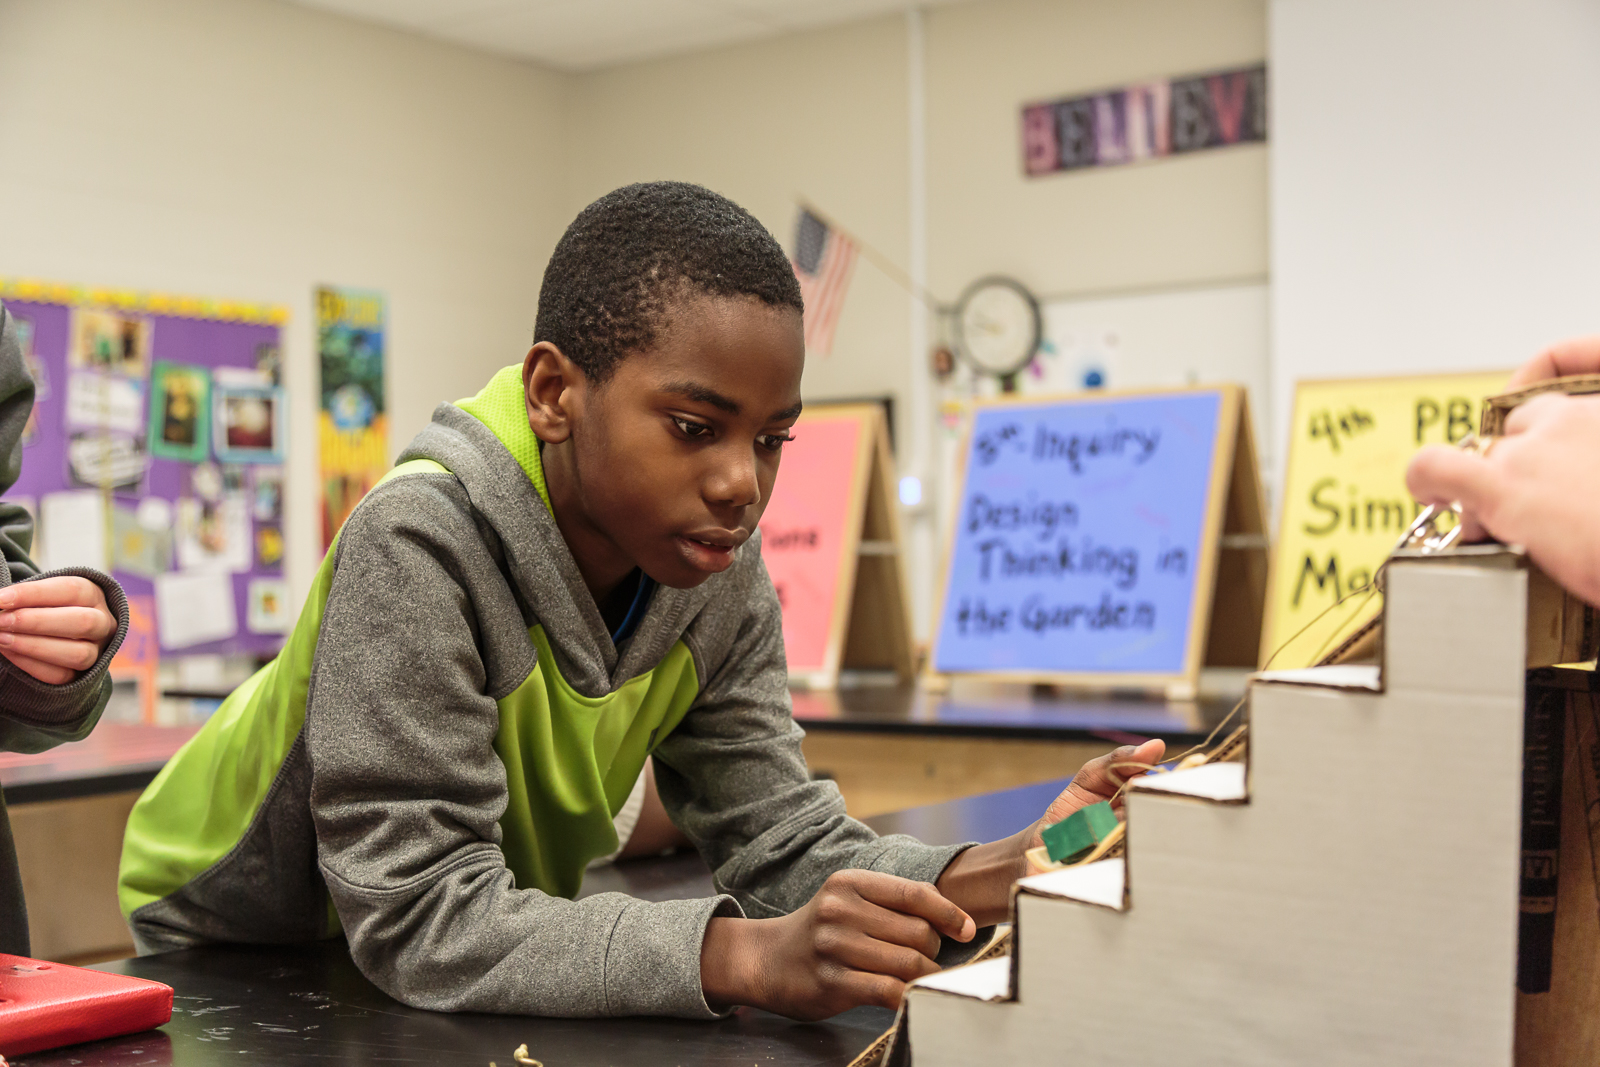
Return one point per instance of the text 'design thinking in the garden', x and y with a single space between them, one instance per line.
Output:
1078 537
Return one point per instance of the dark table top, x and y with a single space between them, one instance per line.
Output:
118 757
307 1004
1017 712
114 758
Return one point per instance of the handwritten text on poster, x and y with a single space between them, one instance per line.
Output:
1078 535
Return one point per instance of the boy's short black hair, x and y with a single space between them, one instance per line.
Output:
630 253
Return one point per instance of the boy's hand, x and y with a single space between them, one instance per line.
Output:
53 628
979 880
1098 780
859 941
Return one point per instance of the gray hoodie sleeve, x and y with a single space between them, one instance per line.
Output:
35 715
733 778
407 791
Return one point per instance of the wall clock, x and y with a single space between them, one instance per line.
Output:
997 326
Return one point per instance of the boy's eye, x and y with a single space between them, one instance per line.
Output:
691 429
773 442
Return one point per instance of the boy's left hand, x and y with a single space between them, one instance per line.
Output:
1098 780
978 881
53 628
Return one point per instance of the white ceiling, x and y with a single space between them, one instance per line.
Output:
577 35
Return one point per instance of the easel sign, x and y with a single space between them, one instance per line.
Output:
1345 501
830 539
1098 536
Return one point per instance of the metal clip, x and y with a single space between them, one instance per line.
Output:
1424 534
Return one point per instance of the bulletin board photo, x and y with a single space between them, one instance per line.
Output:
155 451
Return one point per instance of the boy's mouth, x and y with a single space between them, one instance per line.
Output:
710 550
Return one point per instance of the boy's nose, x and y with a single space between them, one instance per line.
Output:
734 482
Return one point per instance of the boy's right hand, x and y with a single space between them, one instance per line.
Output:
859 941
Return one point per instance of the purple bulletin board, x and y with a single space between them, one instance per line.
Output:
162 421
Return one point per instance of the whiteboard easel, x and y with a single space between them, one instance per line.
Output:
1230 572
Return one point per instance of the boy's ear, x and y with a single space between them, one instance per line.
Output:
550 385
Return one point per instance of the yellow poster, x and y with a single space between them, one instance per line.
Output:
1345 502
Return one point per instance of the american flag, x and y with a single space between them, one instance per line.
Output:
823 260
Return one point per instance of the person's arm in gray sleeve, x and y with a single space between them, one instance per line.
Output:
733 778
407 793
16 403
36 715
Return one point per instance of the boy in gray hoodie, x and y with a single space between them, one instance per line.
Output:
560 580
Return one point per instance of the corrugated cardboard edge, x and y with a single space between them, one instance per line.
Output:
1496 408
893 1046
1561 1025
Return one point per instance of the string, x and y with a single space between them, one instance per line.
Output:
1113 838
1370 589
1336 631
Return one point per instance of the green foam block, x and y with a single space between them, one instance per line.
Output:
1079 832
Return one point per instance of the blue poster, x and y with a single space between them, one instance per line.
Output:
1078 536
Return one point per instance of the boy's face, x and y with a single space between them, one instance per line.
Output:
670 462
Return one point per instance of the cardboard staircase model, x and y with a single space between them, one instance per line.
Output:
1401 869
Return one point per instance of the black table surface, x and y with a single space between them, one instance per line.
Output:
115 758
118 757
1018 712
308 1004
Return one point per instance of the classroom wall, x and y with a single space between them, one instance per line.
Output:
257 149
1199 219
251 149
820 115
1433 183
825 115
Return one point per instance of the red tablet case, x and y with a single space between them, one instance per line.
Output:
47 1005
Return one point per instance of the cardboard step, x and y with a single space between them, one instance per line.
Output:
1341 676
1223 783
1103 884
988 981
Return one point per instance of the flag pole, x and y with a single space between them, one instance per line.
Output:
878 259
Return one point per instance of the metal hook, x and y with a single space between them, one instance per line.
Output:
1424 535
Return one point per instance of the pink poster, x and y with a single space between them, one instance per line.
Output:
803 533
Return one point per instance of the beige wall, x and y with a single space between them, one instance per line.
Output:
820 114
1201 218
251 149
826 115
1403 242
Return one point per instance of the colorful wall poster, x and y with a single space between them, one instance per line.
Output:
353 428
121 465
1345 502
1079 536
